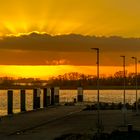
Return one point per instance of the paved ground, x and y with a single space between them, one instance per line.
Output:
12 125
51 123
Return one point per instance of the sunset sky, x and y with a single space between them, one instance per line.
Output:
41 38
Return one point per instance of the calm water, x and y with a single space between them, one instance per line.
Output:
67 96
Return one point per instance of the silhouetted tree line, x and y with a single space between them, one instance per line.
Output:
74 80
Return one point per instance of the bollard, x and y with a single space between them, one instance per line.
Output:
46 97
22 100
80 94
74 100
36 98
10 102
52 96
130 128
56 95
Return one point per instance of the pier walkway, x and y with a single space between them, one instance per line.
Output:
18 124
47 124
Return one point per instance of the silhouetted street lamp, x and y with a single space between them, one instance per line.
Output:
98 88
124 84
136 83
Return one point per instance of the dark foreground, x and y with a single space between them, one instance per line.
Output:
62 122
115 135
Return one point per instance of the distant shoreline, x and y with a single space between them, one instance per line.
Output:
70 88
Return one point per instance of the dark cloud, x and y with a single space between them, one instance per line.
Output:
68 43
43 49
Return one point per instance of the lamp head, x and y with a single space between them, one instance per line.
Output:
133 57
95 49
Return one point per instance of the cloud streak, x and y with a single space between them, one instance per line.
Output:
68 43
44 49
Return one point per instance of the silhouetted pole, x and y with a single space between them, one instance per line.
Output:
52 96
36 98
56 95
80 94
22 100
45 97
136 83
10 102
98 92
124 84
48 96
55 99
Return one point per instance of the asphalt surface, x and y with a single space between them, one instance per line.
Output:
54 122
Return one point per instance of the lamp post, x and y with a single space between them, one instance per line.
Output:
98 91
124 84
136 83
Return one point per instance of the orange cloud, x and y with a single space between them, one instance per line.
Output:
44 49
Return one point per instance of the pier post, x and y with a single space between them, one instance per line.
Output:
10 102
52 96
56 94
36 98
46 97
80 94
22 100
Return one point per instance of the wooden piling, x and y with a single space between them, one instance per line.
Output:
10 102
46 97
22 100
80 94
36 98
56 94
52 96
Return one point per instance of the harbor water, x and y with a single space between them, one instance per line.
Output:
90 96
